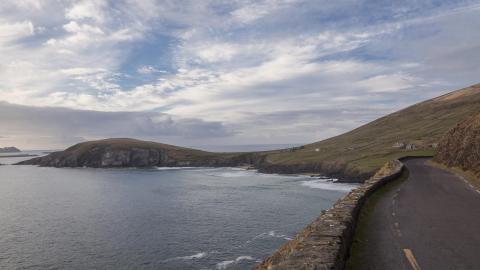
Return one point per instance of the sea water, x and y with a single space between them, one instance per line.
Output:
158 218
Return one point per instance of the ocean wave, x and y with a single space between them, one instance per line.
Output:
225 264
231 172
328 184
276 235
196 256
269 234
178 168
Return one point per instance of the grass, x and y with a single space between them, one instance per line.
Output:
367 148
359 245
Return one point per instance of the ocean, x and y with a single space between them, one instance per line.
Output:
158 218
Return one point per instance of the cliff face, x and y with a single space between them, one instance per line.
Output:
135 153
460 147
9 150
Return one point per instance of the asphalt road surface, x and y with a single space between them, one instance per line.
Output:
430 221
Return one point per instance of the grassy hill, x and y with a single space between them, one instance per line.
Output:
125 152
363 150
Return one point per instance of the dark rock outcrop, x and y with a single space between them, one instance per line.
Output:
10 149
134 153
460 147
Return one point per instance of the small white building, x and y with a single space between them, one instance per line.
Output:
411 146
398 145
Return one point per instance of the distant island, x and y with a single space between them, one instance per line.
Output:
351 157
10 149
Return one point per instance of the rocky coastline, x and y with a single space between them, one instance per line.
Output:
10 149
104 154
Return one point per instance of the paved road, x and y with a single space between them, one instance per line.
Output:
430 221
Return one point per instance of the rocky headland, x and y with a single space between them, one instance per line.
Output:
10 149
110 153
126 152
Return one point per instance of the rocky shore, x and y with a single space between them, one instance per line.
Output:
113 153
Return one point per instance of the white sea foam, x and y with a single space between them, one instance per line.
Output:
232 172
328 184
225 264
190 257
276 235
177 168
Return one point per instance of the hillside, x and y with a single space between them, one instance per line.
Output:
360 152
123 152
353 156
460 147
10 149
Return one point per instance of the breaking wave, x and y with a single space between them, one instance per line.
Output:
328 184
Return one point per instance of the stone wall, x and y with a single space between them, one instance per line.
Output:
325 242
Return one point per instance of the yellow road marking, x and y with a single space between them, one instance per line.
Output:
411 259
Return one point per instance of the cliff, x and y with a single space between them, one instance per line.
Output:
133 153
460 147
9 150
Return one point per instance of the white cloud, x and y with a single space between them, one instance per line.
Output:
149 70
74 27
10 32
388 83
246 64
87 9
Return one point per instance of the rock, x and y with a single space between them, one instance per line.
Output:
136 153
460 147
10 149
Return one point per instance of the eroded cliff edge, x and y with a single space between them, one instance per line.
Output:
460 147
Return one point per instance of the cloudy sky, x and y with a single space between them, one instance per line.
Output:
224 72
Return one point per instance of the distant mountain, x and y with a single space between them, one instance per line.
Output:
460 147
9 150
353 156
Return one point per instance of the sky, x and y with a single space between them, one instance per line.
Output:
208 73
